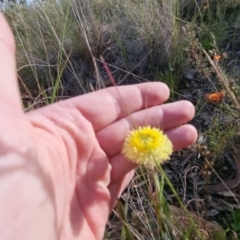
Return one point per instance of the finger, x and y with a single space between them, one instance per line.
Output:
108 105
183 136
9 95
10 104
165 117
180 137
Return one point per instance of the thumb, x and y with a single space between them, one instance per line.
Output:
12 120
9 93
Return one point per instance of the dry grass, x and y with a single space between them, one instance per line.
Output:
59 45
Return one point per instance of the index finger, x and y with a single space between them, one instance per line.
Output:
106 106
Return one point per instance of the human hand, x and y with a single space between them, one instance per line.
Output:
61 169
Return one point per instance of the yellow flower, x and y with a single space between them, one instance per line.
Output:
148 146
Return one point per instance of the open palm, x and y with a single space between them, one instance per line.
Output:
61 168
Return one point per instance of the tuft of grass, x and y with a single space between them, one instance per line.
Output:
59 44
232 223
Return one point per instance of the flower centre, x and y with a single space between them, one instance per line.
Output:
146 142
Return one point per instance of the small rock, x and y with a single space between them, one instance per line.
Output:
201 139
190 75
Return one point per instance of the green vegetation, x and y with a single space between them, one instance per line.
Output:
193 46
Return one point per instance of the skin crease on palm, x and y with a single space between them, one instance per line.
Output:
61 170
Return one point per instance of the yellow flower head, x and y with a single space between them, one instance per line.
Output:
148 146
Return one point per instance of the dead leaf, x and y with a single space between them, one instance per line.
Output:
226 185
